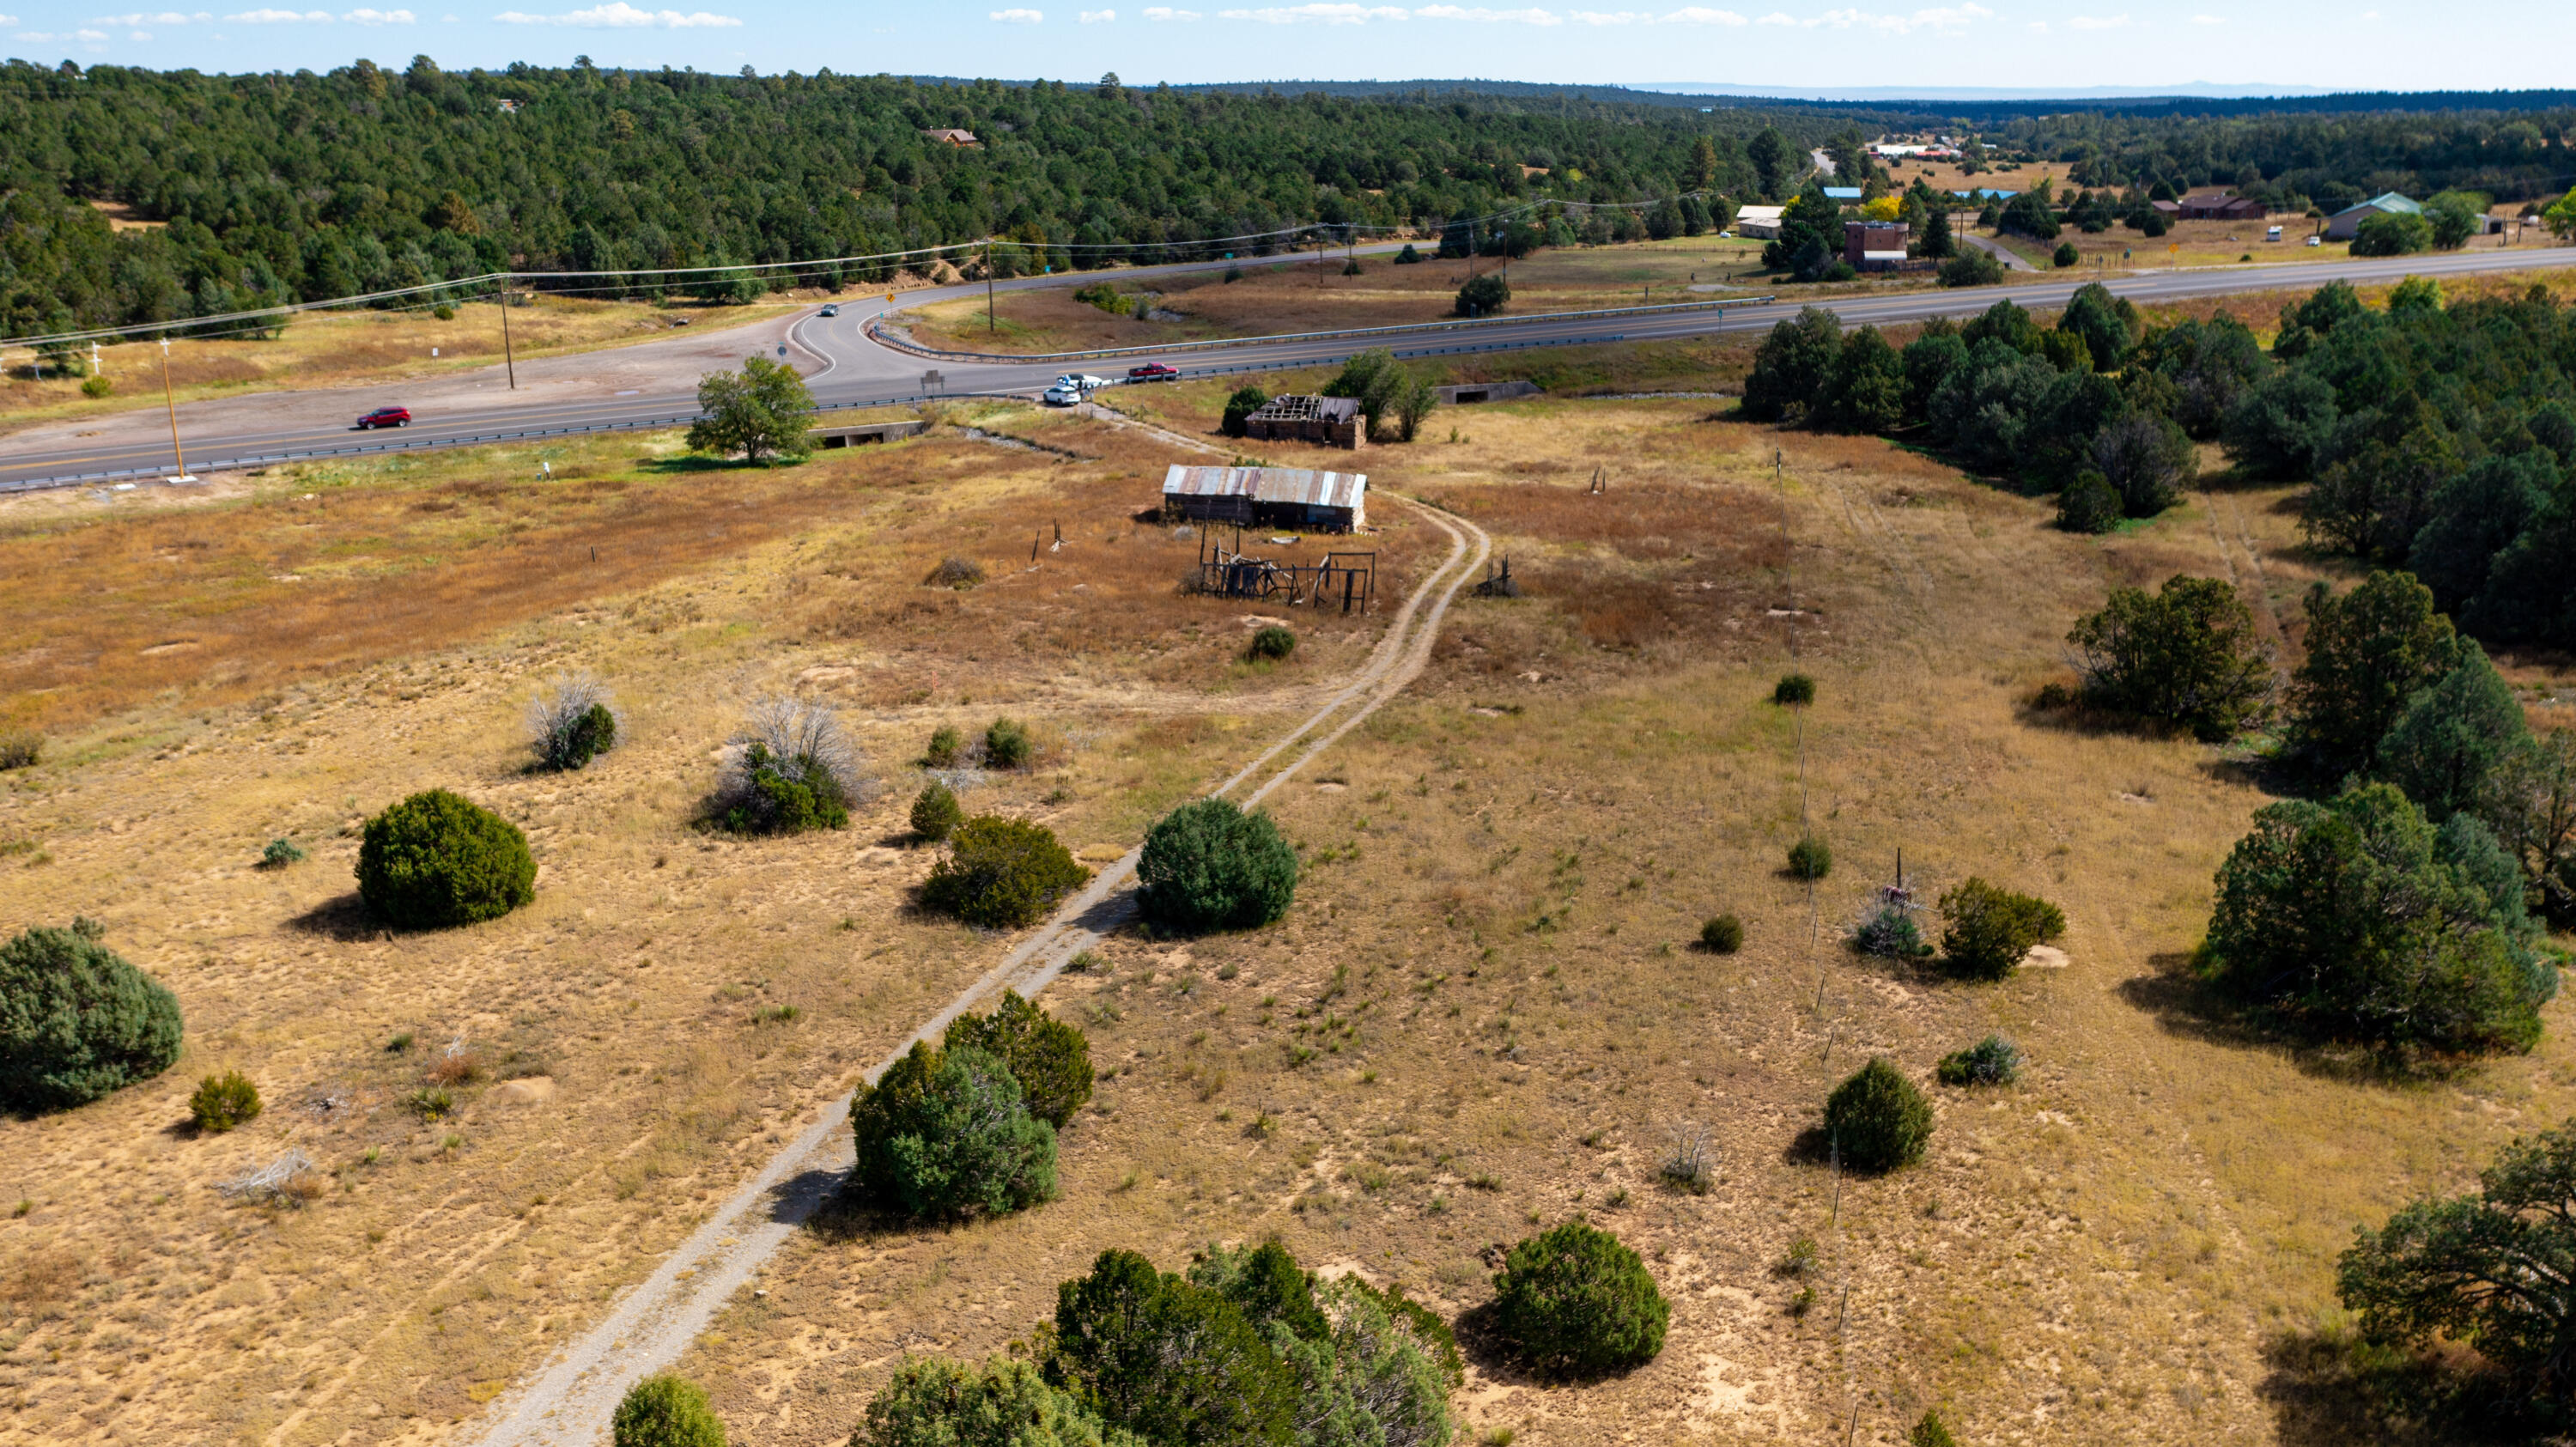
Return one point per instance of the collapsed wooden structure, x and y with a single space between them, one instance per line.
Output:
1284 497
1228 572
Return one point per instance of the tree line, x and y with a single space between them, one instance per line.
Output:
276 188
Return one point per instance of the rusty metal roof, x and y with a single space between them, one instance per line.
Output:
1268 484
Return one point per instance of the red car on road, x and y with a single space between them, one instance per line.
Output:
1153 372
386 417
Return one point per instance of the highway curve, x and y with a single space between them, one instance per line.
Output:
653 384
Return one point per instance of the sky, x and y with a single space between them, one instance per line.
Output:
2037 45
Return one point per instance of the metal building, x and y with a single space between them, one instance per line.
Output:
1286 497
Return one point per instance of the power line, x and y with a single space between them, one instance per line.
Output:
438 291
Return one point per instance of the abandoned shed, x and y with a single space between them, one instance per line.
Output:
1269 496
1330 421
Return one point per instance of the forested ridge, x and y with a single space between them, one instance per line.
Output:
302 187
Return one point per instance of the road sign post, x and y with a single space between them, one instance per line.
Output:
171 403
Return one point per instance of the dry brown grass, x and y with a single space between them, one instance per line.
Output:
1286 295
333 349
1483 1013
439 1258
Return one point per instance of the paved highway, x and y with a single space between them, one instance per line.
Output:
846 368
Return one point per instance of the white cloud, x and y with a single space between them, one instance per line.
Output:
2208 20
380 17
1687 15
1320 14
1017 17
618 15
280 17
91 38
8 19
2097 22
2039 27
1098 17
1483 16
1942 17
1166 12
166 17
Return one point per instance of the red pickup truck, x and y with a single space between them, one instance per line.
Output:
386 417
1153 372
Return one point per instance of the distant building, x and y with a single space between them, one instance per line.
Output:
1760 222
1269 496
1874 245
2344 225
1848 195
1327 421
2172 209
507 106
1983 194
953 136
2221 205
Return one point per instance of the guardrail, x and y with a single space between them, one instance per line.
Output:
875 330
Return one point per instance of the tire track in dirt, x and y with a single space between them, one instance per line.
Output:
571 1398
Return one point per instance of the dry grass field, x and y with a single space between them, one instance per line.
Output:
1276 295
350 637
336 349
1483 1014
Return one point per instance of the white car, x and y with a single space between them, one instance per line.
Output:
1081 382
830 311
1060 395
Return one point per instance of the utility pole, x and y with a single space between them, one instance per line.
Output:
171 404
988 288
509 359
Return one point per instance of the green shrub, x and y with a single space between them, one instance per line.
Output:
1050 1059
279 854
439 859
1723 935
1245 401
2065 255
1380 1366
791 769
571 723
1272 642
2090 504
2185 655
98 386
934 812
432 1103
934 1402
1929 1429
946 750
948 1133
1208 865
1877 1121
955 574
665 1411
224 1101
784 796
21 748
1007 745
77 1021
1971 267
1988 930
1811 858
1991 1061
1483 295
1001 873
1574 1299
2358 919
1793 690
443 312
1170 1360
1892 933
1408 256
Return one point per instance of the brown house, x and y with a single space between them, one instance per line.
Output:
953 136
2221 206
1874 245
1326 421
